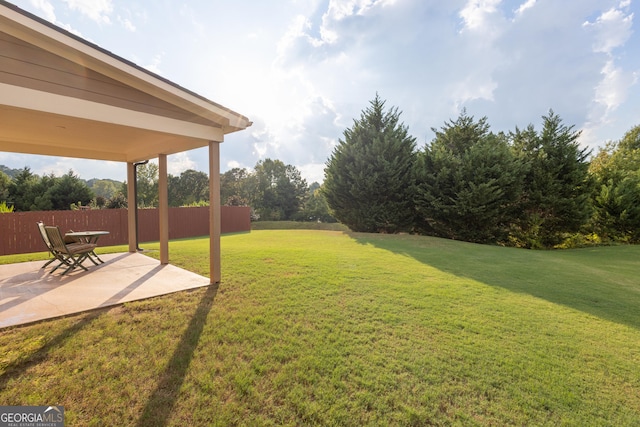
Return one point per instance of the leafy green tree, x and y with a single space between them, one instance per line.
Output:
315 206
279 190
5 182
99 202
616 170
4 208
368 178
117 201
235 184
176 198
236 201
106 188
190 187
197 184
468 182
617 209
557 186
147 176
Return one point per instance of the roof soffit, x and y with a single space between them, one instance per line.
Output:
97 59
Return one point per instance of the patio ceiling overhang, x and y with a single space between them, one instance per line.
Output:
61 95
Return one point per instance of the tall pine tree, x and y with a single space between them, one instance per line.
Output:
368 179
468 182
557 185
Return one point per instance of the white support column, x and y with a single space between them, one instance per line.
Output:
214 212
163 208
131 207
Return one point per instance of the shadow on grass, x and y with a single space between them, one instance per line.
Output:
601 281
18 367
161 402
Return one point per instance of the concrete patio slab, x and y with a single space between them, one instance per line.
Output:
29 293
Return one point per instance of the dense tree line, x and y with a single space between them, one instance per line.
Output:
533 188
27 191
529 188
275 191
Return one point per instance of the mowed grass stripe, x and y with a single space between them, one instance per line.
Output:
332 328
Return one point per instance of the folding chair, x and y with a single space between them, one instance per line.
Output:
46 241
72 255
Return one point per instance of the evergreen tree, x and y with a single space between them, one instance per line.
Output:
557 186
468 182
23 190
29 192
368 178
65 191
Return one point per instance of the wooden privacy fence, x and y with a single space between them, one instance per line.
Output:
19 233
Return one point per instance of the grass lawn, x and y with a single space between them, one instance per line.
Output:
332 328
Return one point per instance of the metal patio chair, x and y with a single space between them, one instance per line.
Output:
70 254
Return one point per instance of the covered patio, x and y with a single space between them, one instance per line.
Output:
64 96
30 294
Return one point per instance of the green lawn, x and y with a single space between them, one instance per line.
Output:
330 328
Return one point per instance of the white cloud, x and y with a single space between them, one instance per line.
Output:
46 8
154 66
295 34
524 6
610 94
340 9
97 10
471 88
611 30
312 172
178 163
234 164
265 143
126 23
483 24
612 90
477 15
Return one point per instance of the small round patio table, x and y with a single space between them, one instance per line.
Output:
88 237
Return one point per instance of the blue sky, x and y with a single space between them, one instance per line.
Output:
302 70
